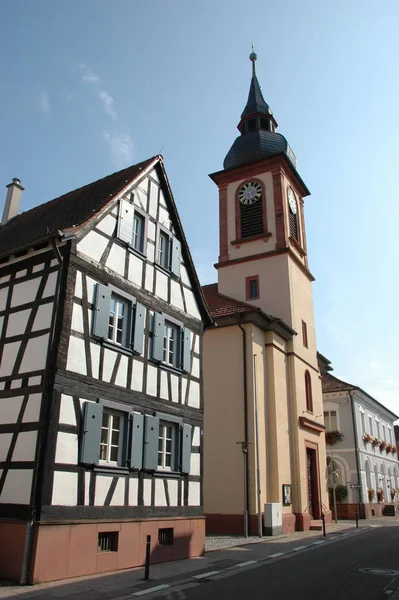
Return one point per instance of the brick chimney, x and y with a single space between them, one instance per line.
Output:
13 199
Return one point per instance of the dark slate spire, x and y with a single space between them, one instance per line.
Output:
256 102
258 139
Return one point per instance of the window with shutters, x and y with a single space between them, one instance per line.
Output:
167 446
131 226
170 342
111 437
138 232
168 251
172 335
164 250
118 321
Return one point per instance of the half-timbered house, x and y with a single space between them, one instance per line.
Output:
101 411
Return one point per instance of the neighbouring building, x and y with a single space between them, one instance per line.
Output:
101 410
361 448
264 446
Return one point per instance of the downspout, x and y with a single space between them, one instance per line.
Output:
245 444
42 434
359 490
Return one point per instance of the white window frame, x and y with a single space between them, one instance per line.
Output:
363 422
119 301
327 419
371 425
162 452
164 263
138 218
176 351
108 445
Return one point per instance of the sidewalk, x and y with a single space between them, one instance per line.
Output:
227 553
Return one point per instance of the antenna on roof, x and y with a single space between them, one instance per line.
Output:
163 146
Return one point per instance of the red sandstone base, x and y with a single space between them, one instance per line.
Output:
218 524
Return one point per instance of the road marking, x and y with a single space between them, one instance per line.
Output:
317 543
245 564
203 575
151 590
276 555
299 548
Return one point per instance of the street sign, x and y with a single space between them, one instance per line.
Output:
355 486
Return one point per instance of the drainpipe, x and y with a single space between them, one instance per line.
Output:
357 450
245 444
257 452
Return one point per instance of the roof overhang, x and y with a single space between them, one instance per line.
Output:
260 319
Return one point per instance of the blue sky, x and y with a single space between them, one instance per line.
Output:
90 86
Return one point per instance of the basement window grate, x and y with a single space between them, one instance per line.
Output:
108 541
165 536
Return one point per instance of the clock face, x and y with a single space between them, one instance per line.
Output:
250 192
292 201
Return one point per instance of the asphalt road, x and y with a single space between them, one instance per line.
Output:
329 572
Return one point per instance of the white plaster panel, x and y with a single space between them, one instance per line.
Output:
183 389
35 380
184 275
5 441
25 292
103 484
16 383
8 358
91 289
38 268
194 493
160 496
35 354
140 199
49 289
153 199
9 409
95 359
114 211
76 361
196 437
43 317
67 411
175 295
152 380
195 369
65 489
195 464
174 380
78 285
173 491
118 498
93 245
121 375
151 229
2 385
163 217
17 322
162 201
107 225
26 446
164 391
77 318
149 278
161 285
197 344
54 262
147 492
194 395
116 259
191 304
3 297
87 488
137 376
17 487
150 252
133 492
6 278
109 363
21 273
67 448
135 269
154 175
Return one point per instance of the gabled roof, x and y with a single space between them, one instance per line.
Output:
70 210
220 305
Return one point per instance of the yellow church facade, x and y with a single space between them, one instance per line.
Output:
264 443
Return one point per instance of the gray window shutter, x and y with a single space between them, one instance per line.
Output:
176 254
158 337
138 331
151 434
186 448
101 314
136 442
92 420
186 337
125 221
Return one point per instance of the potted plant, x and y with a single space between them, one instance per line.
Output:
393 449
332 437
371 494
383 445
367 437
380 495
375 441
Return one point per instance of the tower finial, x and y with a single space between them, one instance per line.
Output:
253 57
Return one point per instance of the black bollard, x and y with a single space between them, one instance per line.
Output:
323 518
147 557
357 518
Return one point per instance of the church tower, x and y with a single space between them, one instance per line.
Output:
263 263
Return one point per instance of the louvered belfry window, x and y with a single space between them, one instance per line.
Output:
293 226
251 217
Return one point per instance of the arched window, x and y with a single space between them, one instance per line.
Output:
308 391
